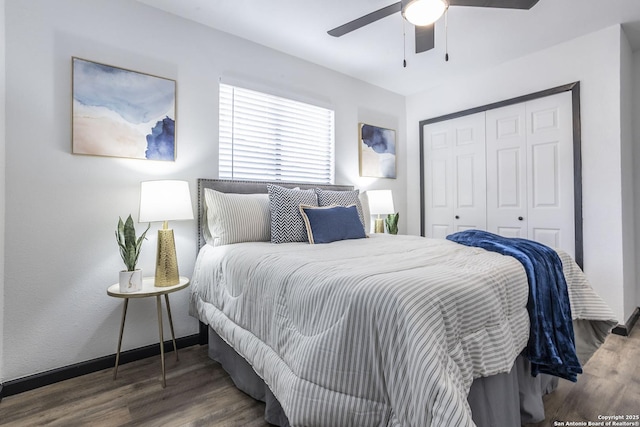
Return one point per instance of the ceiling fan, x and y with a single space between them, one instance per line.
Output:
423 14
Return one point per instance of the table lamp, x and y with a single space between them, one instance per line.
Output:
165 200
380 203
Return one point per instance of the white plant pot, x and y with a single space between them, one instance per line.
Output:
130 281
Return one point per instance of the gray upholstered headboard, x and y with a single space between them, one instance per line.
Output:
247 187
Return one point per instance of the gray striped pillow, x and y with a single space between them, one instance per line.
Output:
341 198
236 218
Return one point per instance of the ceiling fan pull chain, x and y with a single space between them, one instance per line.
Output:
404 45
446 35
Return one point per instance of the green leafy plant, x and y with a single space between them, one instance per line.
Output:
392 223
129 245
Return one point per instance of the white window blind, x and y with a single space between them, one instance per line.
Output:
265 137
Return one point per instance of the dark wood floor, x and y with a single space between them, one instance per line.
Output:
610 385
199 393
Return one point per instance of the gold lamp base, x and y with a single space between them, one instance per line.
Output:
379 226
166 261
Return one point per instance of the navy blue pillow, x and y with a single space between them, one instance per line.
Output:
331 223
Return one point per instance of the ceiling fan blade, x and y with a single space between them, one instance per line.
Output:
425 38
505 4
365 20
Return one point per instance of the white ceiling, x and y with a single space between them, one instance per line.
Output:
477 37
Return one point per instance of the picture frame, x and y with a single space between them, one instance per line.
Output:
377 152
122 113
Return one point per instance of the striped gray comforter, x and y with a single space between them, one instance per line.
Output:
385 331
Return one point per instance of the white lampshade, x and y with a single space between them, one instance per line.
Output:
165 200
424 12
380 202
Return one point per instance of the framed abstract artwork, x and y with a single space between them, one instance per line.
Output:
377 151
122 113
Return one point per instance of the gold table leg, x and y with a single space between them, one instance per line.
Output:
159 305
124 316
173 335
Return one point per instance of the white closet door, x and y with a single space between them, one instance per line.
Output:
469 174
550 179
530 171
455 183
438 178
507 171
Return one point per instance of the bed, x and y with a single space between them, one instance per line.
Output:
367 331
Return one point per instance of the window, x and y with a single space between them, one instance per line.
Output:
265 137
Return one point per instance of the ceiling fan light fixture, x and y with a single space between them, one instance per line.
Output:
424 12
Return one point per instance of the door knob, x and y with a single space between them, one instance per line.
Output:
520 218
457 216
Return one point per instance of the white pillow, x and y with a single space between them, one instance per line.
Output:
235 218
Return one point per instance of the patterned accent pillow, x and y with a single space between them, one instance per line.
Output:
328 224
364 202
341 198
236 218
287 224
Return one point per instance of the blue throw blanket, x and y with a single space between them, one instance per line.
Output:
551 347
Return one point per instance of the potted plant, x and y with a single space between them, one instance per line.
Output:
392 223
130 279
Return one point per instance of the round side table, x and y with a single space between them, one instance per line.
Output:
149 290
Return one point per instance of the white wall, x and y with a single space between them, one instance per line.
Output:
61 209
627 153
2 179
594 60
636 158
